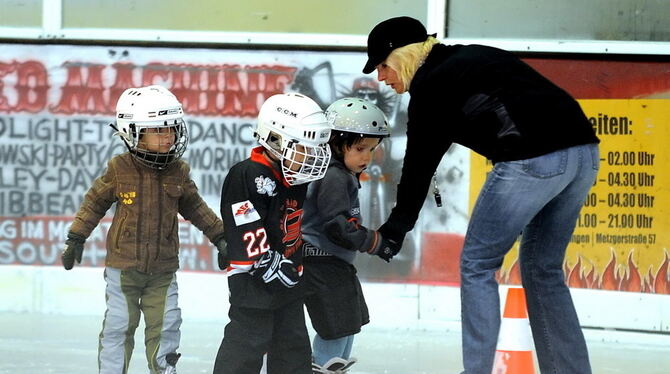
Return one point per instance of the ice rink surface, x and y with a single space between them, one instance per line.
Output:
40 344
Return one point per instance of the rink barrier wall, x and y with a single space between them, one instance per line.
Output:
52 290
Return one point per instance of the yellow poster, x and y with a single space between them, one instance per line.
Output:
623 232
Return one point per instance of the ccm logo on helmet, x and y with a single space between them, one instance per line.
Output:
287 112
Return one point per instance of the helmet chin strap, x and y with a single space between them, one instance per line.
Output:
118 133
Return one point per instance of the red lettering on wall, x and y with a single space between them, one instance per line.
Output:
4 70
216 90
185 85
276 83
232 88
124 80
83 95
32 87
211 92
153 70
204 90
262 82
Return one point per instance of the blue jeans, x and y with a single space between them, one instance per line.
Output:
541 198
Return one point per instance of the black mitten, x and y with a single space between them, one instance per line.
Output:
74 248
222 256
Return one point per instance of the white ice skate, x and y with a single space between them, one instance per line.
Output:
335 365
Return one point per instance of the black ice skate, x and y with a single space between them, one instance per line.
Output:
171 359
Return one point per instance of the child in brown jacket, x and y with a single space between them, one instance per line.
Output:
150 184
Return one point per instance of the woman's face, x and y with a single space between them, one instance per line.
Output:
386 74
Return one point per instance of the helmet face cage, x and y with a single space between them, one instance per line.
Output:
302 164
158 147
150 122
358 116
294 129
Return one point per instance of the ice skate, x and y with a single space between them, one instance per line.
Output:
316 369
335 365
171 359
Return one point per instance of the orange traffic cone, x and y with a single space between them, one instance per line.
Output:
514 352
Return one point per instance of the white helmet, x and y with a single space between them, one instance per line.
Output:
148 110
294 129
358 116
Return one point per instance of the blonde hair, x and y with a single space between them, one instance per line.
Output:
406 60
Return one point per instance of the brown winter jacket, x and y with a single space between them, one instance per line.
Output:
143 234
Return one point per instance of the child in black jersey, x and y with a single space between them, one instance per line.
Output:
261 205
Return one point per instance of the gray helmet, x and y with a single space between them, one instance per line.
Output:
358 116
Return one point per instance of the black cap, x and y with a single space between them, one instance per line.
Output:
391 34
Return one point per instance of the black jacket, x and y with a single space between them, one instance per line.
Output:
485 99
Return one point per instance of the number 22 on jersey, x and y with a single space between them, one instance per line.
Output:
256 242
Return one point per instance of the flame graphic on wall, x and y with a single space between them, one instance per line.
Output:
615 276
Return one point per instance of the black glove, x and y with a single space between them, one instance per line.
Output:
276 271
389 248
392 231
222 256
392 238
74 248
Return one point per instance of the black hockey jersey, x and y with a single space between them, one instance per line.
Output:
260 212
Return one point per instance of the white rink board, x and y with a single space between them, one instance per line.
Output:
52 290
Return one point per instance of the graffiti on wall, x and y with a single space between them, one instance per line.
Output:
56 104
55 138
